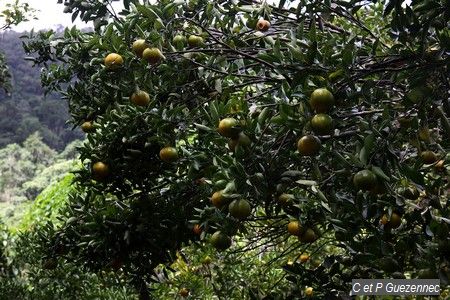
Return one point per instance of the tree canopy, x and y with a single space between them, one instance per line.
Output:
316 127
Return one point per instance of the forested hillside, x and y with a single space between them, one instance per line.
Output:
26 110
26 169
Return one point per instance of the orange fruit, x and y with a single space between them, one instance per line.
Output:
140 98
195 41
113 61
220 240
197 229
184 292
322 100
207 260
440 165
384 219
262 25
308 236
152 55
424 134
322 124
168 154
309 291
304 258
240 209
227 127
179 39
242 140
294 228
100 170
139 46
87 126
365 180
218 200
308 145
395 221
428 157
285 199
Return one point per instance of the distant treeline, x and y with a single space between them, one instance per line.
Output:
26 110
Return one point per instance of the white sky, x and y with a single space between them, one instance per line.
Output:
49 15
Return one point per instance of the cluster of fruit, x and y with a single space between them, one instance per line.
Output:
152 55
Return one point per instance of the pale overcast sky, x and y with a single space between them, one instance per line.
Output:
51 14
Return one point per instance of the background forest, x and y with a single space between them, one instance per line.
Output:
25 109
33 133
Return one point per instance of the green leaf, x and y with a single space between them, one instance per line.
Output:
379 172
263 116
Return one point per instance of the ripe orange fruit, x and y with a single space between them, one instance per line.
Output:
195 41
322 124
220 240
184 292
322 100
87 126
218 200
168 154
197 229
262 25
308 236
384 219
139 46
140 98
113 61
308 145
100 170
304 258
294 228
440 165
152 55
365 180
240 209
428 157
309 291
395 221
227 127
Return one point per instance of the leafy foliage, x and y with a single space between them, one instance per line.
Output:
29 271
390 119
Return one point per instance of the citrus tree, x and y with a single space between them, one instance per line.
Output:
321 126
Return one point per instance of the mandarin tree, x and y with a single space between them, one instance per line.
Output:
367 82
